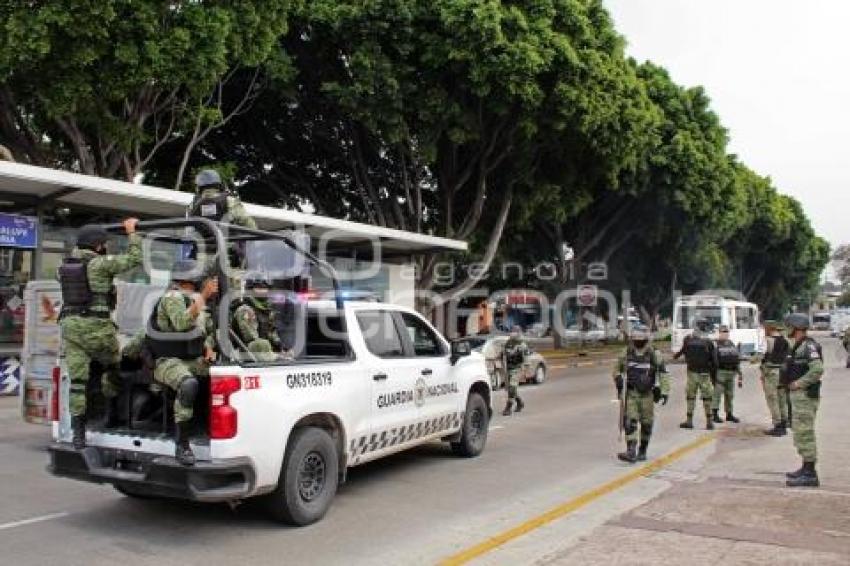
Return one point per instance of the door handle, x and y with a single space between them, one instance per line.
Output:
379 377
427 371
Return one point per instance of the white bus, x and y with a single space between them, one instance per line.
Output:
741 317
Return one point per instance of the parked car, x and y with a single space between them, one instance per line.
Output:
534 368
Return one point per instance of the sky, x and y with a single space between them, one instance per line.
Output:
778 74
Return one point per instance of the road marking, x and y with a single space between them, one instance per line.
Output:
496 427
559 366
574 504
41 519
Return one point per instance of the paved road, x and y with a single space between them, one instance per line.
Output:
415 508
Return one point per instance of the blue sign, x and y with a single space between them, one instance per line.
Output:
18 231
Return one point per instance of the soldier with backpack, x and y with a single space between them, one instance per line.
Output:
701 357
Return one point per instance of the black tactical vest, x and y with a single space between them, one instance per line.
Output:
727 355
187 345
213 207
779 352
698 354
640 370
77 296
796 368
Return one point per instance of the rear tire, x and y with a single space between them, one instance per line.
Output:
308 479
476 423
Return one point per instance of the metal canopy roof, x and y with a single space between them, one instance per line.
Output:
19 182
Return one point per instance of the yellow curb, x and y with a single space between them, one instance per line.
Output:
574 504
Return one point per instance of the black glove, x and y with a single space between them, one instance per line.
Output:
664 399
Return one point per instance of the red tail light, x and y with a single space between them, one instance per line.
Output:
54 394
223 417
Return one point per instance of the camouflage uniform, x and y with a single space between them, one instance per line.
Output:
236 213
87 339
640 407
246 323
725 387
700 383
775 394
172 315
805 399
515 351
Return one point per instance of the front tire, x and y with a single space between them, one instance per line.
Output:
476 424
308 479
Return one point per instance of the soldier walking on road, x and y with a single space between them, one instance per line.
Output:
514 352
701 358
181 338
88 333
728 367
802 377
646 383
774 393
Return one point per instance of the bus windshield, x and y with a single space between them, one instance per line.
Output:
688 315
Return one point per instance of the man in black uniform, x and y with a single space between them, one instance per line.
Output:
701 357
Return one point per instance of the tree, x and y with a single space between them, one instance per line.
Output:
101 86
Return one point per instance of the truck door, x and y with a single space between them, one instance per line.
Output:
393 375
437 392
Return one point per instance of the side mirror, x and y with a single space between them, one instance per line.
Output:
460 348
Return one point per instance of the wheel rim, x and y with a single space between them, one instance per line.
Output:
311 476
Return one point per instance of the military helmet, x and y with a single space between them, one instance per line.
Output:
91 235
207 178
188 271
797 321
702 324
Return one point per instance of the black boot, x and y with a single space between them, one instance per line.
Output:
641 455
689 422
777 430
183 451
78 432
795 474
629 455
508 408
715 416
730 418
808 477
519 405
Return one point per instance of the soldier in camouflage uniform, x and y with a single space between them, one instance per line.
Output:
774 393
88 333
646 383
253 322
514 353
802 376
180 361
701 358
213 201
729 366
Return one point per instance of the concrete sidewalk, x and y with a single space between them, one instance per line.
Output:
735 508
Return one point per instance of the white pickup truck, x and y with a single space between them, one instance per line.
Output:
372 379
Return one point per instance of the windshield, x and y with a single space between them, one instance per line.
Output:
688 315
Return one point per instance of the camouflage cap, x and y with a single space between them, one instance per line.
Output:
797 321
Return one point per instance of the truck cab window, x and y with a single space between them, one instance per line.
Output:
380 333
425 342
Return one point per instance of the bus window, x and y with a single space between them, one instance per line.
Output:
745 318
687 316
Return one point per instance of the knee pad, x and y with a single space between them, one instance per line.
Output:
187 391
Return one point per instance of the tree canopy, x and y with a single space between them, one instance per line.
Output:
468 119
